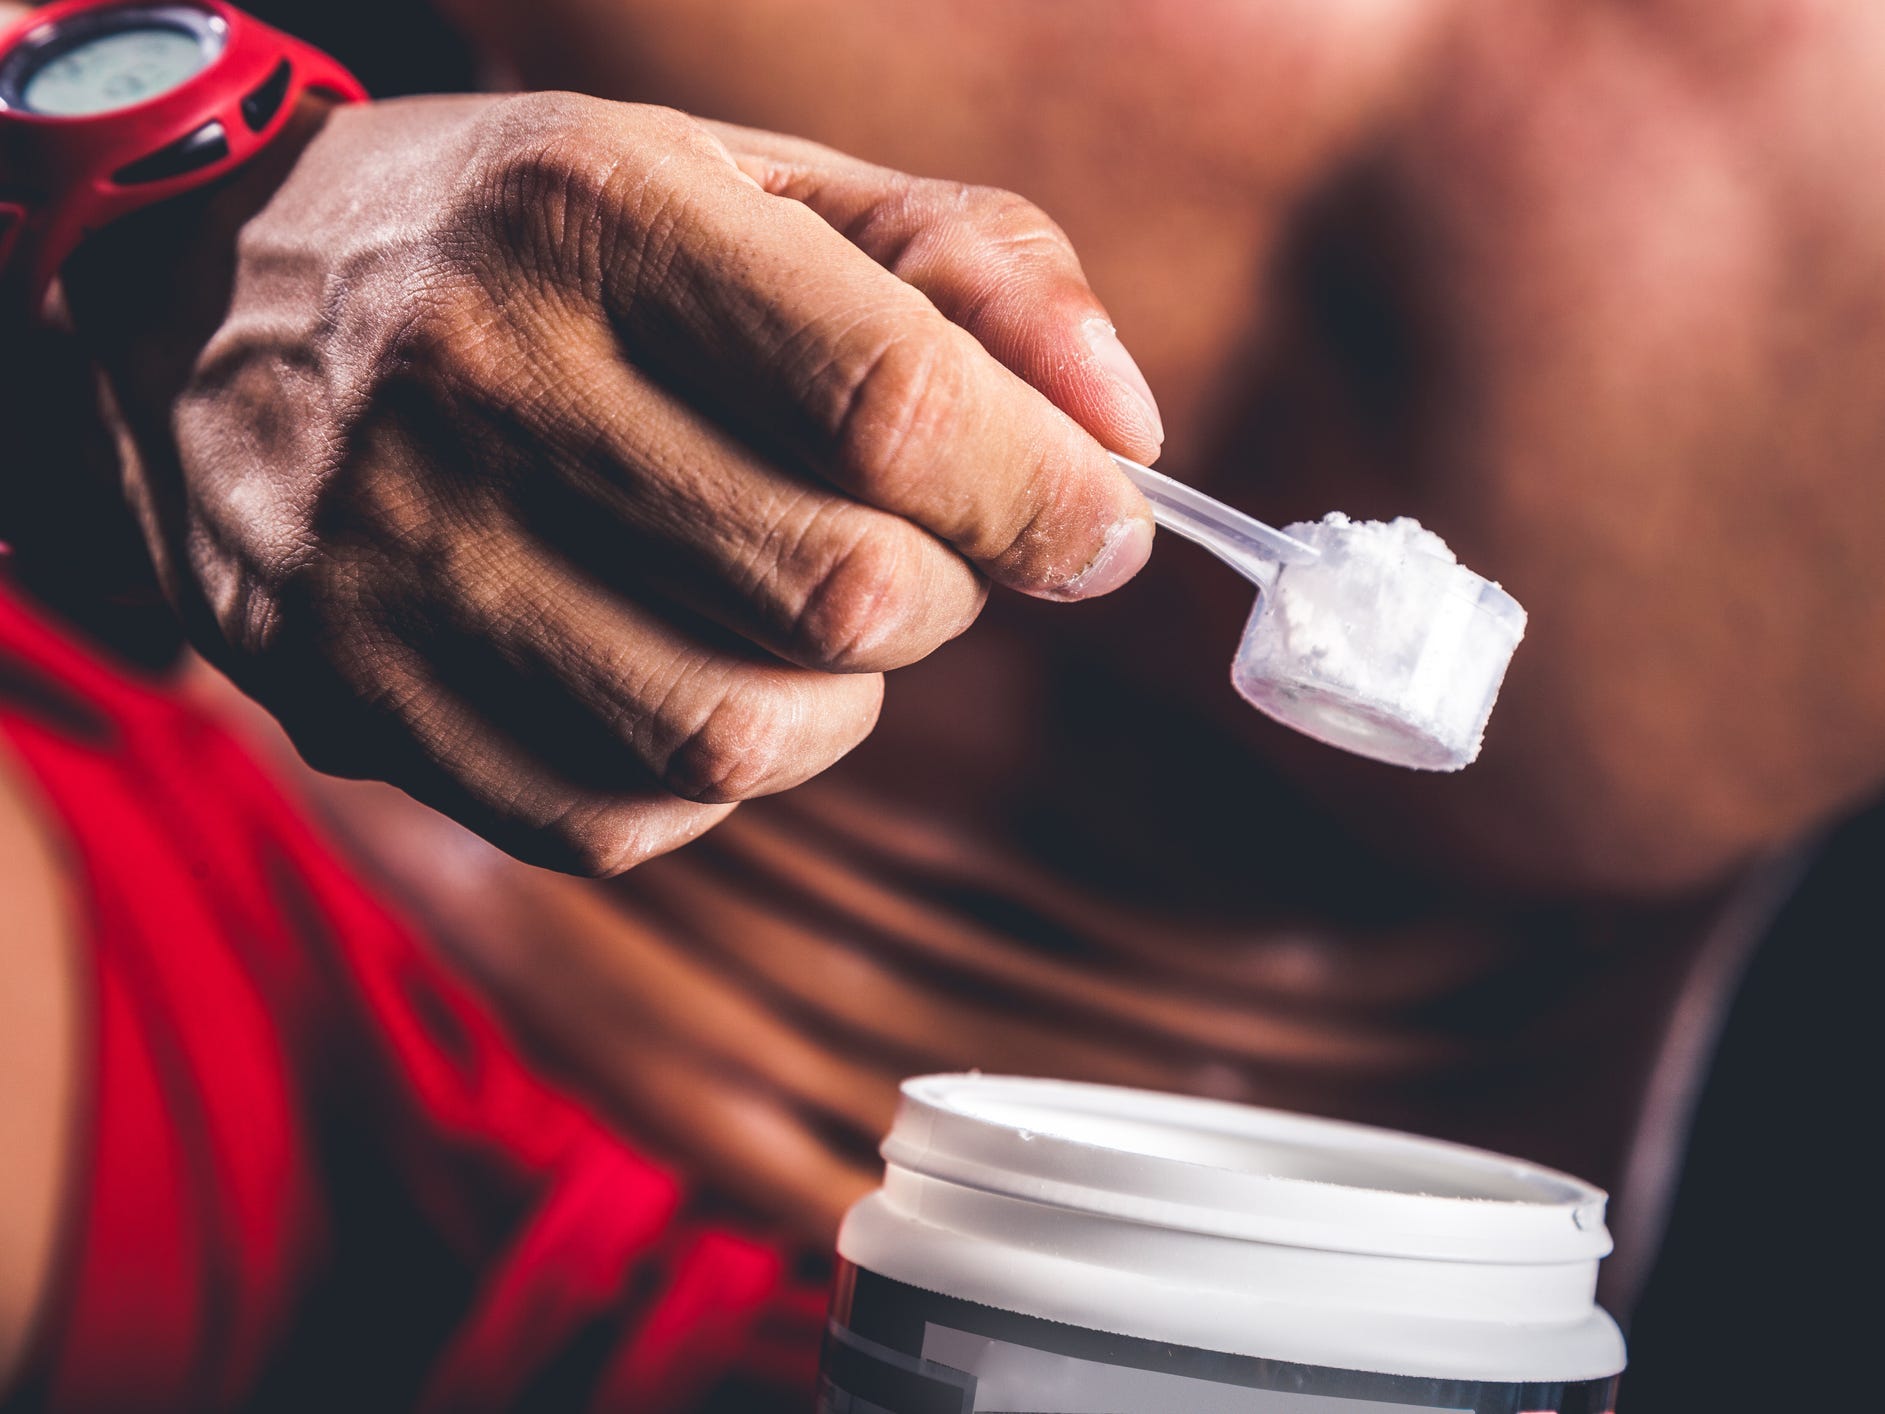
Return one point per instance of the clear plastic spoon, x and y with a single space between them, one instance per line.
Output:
1373 638
1255 550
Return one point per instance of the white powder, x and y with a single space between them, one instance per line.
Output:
1386 646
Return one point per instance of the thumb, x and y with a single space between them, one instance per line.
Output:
990 261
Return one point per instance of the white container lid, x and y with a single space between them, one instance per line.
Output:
1228 1227
1228 1170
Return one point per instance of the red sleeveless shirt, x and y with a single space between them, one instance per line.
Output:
314 1172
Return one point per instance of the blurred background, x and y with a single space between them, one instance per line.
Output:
1592 290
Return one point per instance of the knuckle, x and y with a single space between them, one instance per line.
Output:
896 228
248 614
540 143
738 747
896 406
442 335
1011 215
561 166
857 601
1011 227
285 626
576 185
537 199
594 844
520 115
988 232
446 368
664 125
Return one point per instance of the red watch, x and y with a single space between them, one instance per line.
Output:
108 106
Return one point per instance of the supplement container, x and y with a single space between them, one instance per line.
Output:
1041 1247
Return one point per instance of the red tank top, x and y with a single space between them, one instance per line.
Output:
315 1173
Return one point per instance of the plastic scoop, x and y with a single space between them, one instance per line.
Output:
1255 550
1368 636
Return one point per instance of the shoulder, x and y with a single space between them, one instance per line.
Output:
38 1054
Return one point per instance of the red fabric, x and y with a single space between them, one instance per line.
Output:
316 1169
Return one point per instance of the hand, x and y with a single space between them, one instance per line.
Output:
581 468
1592 289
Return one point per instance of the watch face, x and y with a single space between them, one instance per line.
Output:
109 59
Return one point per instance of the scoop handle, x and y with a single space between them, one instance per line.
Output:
1247 545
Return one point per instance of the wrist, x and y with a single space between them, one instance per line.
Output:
156 282
142 297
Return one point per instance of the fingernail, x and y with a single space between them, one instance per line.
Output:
1111 355
1123 554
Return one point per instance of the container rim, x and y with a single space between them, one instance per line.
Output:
1239 1171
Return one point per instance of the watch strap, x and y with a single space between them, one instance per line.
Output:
61 179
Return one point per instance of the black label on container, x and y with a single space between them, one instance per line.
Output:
894 1349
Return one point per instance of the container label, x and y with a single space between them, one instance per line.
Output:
894 1349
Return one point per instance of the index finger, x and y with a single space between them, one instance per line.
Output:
755 303
990 261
